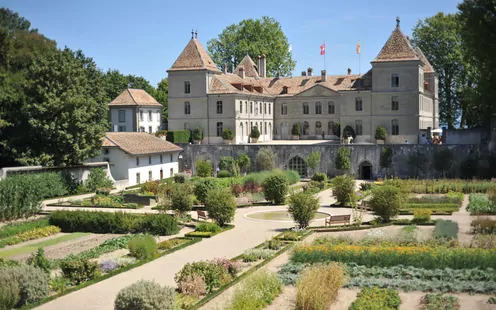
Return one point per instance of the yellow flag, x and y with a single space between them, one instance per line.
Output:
358 47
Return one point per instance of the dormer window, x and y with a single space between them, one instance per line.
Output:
284 90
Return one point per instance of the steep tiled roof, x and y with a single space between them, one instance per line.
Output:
427 65
138 143
249 67
397 48
137 97
224 84
194 57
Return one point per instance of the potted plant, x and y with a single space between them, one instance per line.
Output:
197 135
296 131
227 135
380 135
255 134
348 133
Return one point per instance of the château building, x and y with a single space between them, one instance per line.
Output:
400 93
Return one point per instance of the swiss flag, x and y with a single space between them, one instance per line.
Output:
322 49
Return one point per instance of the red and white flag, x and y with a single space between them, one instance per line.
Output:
322 49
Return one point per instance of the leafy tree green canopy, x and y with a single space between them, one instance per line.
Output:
255 37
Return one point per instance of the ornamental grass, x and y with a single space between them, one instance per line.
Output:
445 186
416 256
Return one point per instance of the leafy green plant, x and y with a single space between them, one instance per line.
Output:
255 133
440 301
18 228
32 282
9 291
150 187
208 227
198 134
181 199
275 188
142 247
33 234
38 259
343 187
221 206
386 202
343 161
313 160
21 197
223 174
145 295
319 177
59 284
252 255
318 286
181 177
256 292
274 244
178 136
265 159
380 133
421 216
80 270
302 208
171 243
446 229
480 204
203 187
211 272
228 164
492 300
204 168
98 179
483 226
244 162
296 130
227 134
377 298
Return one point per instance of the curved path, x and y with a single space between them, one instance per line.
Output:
247 234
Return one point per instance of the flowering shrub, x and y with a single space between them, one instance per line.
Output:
237 189
211 273
193 285
108 266
231 267
252 255
421 216
145 295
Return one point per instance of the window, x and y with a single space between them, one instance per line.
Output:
138 179
149 160
241 107
265 108
269 109
251 107
219 107
358 104
150 115
187 108
284 109
161 158
142 129
150 129
122 129
171 157
330 109
122 116
298 164
219 129
306 126
150 176
265 128
318 128
171 172
318 108
395 127
141 115
395 80
306 109
256 108
246 106
395 105
331 128
187 87
137 161
105 151
358 128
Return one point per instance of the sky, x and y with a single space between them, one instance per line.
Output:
145 37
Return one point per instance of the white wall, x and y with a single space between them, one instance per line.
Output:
144 167
117 159
155 122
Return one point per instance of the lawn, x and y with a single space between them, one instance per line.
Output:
34 246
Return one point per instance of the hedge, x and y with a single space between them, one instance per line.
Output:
178 136
114 222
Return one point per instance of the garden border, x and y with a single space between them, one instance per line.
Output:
226 228
93 207
110 274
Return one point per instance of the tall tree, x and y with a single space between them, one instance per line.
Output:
439 37
255 37
64 115
478 32
116 83
162 94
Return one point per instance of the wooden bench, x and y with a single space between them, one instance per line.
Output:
202 215
338 219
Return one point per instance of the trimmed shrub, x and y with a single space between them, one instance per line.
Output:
142 247
9 291
302 208
296 130
220 205
150 187
98 179
446 229
275 188
210 271
343 187
223 174
318 286
208 227
227 134
145 295
33 283
115 222
255 133
181 200
178 136
377 298
256 292
319 177
228 164
38 259
343 159
380 133
204 168
80 270
265 159
386 202
198 134
244 162
421 216
203 187
181 177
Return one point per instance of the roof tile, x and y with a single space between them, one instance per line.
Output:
194 57
138 143
137 97
397 48
249 67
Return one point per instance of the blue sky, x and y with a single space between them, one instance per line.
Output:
145 37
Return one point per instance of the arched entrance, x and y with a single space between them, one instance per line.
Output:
365 170
298 164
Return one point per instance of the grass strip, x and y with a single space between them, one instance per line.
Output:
110 274
17 228
35 246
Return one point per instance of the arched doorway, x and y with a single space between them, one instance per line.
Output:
299 165
365 170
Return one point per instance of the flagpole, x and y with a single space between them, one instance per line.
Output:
325 52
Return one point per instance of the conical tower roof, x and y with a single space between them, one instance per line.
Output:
194 57
397 48
248 66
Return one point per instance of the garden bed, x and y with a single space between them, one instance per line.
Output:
208 234
99 201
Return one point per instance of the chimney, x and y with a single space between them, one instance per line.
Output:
323 76
278 75
303 73
263 63
241 72
349 71
225 68
259 63
232 71
408 38
309 71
